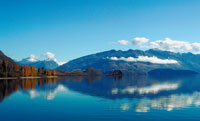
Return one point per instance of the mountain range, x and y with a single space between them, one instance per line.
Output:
135 59
46 64
121 60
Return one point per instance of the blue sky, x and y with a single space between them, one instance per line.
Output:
74 28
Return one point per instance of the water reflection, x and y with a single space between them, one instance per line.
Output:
47 94
141 94
155 88
169 103
30 86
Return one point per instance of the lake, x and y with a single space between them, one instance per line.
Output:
101 99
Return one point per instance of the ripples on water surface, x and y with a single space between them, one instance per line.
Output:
100 98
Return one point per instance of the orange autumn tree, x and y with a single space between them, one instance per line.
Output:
16 68
54 73
33 71
27 70
47 72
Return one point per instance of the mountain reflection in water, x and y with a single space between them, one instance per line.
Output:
141 94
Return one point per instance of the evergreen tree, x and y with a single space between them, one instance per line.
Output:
40 71
22 71
5 67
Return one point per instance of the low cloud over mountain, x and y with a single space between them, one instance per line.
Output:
135 59
152 59
46 60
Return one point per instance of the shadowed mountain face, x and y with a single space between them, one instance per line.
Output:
10 68
135 59
3 56
46 64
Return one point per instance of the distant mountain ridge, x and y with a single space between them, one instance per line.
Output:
46 64
135 59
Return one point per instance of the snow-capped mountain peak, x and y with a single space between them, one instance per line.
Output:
47 61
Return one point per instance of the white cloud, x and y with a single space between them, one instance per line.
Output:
115 58
174 45
123 42
152 59
46 56
166 45
33 58
196 46
49 55
140 40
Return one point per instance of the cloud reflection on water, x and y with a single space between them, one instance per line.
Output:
153 89
168 103
47 94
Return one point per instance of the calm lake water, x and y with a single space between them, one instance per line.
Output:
100 99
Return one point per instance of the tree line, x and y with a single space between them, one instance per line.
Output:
15 70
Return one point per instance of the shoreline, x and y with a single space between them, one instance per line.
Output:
29 77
